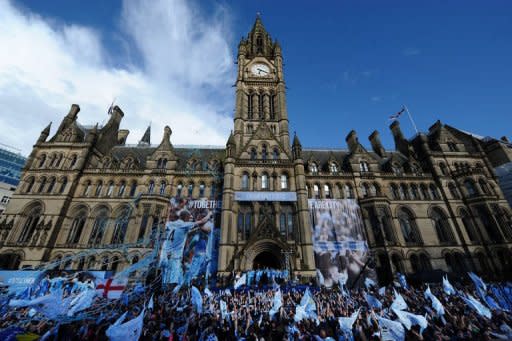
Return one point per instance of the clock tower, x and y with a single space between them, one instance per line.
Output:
265 218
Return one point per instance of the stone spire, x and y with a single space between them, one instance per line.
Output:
296 147
146 138
44 134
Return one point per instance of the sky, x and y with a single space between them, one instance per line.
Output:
348 65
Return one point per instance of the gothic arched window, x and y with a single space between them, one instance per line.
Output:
394 192
245 182
32 219
348 191
190 189
275 154
87 188
201 189
51 185
151 187
424 192
110 188
484 186
253 154
414 192
121 224
442 226
272 106
363 166
469 226
244 223
333 167
133 188
73 161
98 228
264 181
30 184
316 191
284 181
453 191
42 185
179 189
122 188
433 192
77 227
470 187
408 226
250 105
264 152
63 185
98 188
327 191
42 160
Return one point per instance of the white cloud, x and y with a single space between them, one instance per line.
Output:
184 80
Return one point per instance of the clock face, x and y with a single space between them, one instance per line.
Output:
260 70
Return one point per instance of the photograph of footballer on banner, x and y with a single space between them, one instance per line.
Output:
340 246
189 249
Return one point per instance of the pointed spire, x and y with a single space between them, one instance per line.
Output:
296 147
146 138
296 142
45 133
231 139
166 140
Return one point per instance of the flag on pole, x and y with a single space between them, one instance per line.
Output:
128 331
391 330
346 323
278 302
447 287
436 304
111 288
399 302
397 115
477 306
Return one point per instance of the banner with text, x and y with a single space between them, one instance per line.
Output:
191 240
339 242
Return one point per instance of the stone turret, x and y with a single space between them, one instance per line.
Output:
376 144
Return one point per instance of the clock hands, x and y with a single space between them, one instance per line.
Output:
261 70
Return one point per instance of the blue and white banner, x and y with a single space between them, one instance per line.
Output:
339 242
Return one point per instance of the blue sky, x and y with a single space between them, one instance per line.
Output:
348 64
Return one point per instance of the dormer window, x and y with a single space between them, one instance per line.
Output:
264 152
313 168
253 153
363 166
333 167
452 146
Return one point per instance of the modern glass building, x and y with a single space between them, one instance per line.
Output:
10 166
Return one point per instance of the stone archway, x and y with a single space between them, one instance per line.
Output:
264 254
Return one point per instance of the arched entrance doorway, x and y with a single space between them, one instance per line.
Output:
10 261
266 260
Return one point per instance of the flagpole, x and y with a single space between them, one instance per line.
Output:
410 118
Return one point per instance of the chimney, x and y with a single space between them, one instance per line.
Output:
376 144
73 111
122 135
396 131
352 141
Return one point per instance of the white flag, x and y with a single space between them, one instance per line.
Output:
241 281
391 330
436 304
128 331
151 304
346 323
278 302
399 302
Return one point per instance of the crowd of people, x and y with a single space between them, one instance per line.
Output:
251 313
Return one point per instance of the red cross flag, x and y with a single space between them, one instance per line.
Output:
111 288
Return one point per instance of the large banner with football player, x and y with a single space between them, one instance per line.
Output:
191 240
340 246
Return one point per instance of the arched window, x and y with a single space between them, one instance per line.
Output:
133 188
408 227
81 263
179 189
484 186
151 187
77 227
316 191
327 191
425 264
442 226
470 187
245 181
264 152
363 166
91 263
489 225
433 192
284 181
87 188
73 161
190 189
348 191
415 263
443 169
58 159
98 228
201 189
250 105
42 160
504 220
32 219
163 186
244 223
415 195
115 264
397 263
364 190
275 154
313 168
394 192
264 181
253 153
385 219
51 185
63 185
42 185
453 190
404 193
104 263
469 226
121 224
110 188
333 167
272 106
286 223
30 184
374 189
424 192
122 188
98 188
452 147
163 163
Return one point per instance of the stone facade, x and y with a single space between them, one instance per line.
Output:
432 203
